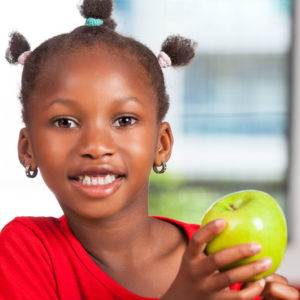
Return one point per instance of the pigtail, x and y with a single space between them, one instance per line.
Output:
180 50
18 45
99 9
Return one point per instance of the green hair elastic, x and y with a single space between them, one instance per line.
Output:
94 22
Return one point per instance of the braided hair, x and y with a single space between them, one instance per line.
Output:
180 50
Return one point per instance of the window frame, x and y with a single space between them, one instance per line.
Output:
290 266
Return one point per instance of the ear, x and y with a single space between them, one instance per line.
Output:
164 144
25 150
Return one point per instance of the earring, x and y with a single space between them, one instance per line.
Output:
30 173
162 170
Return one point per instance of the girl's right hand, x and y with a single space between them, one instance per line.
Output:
199 276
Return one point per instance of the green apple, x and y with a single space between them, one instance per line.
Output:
251 216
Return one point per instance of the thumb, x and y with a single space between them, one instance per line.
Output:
203 235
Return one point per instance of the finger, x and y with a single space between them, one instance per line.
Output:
276 278
240 274
203 235
227 256
250 291
280 291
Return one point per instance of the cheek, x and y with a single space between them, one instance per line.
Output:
52 147
139 149
52 150
53 156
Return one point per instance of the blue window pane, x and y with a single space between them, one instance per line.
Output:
236 94
123 5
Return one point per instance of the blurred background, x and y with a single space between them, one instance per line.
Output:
233 112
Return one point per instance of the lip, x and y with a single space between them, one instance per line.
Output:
98 191
94 170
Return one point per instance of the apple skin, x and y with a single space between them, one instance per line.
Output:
251 216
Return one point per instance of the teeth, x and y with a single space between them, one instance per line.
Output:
108 179
97 180
86 180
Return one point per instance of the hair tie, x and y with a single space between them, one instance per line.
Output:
22 58
94 22
164 60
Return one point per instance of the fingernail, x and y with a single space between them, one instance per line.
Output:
269 278
255 247
220 222
266 263
262 282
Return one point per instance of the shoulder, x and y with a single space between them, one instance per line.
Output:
25 259
29 233
37 226
172 238
31 221
188 228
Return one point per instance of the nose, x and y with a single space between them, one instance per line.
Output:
96 142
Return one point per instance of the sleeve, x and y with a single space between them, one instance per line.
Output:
25 267
237 287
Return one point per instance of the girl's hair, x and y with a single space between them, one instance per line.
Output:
179 49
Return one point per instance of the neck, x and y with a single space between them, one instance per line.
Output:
126 235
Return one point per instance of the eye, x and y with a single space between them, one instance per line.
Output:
125 121
64 123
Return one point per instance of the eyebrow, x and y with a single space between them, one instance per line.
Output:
71 102
62 101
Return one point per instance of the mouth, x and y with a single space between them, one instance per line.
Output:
96 180
97 186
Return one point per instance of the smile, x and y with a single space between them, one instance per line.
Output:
98 186
97 180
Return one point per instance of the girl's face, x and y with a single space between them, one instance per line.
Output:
94 132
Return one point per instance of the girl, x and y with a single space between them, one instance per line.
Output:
93 105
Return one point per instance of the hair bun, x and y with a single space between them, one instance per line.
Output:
17 45
180 49
98 9
110 23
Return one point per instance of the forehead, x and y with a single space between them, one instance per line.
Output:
100 69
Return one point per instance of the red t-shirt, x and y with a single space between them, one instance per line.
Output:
41 259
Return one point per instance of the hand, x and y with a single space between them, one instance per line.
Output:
277 288
199 276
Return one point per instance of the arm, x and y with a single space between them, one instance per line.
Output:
25 266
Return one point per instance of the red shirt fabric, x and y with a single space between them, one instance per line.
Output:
40 258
